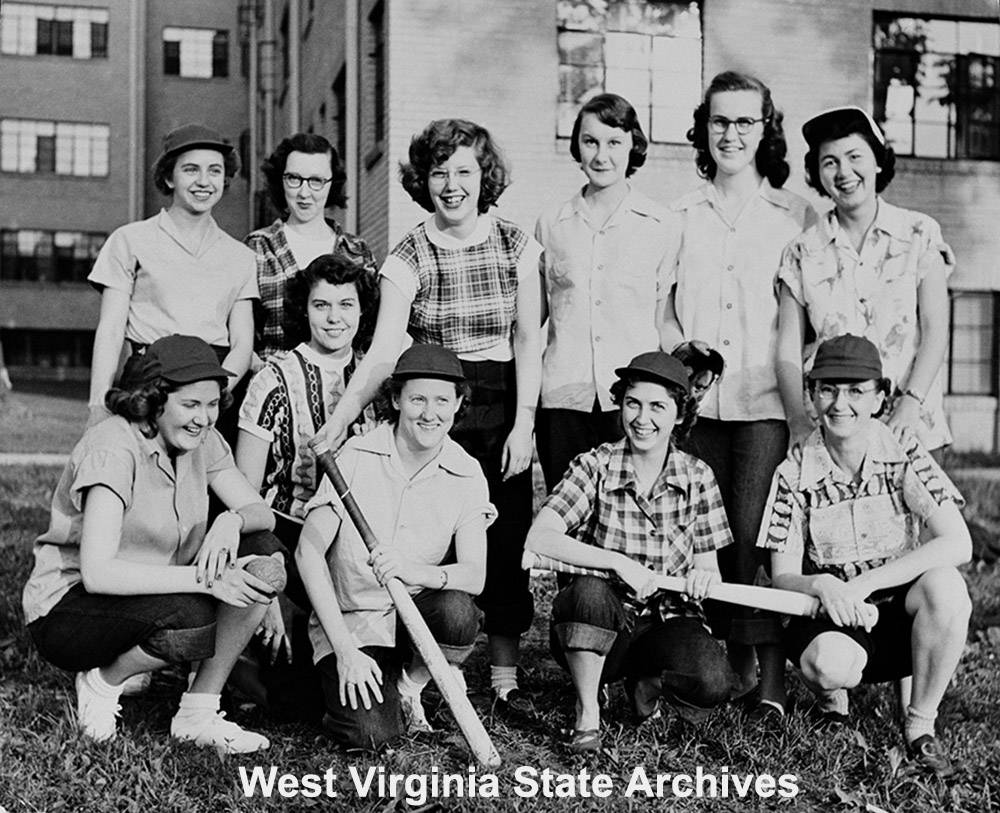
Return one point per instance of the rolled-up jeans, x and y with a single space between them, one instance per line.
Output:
89 630
454 621
692 666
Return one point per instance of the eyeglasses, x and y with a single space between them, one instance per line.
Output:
293 181
442 176
719 124
853 393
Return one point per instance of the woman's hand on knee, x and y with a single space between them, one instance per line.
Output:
842 602
359 677
218 551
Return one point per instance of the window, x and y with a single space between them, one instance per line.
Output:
29 255
30 29
197 53
937 86
972 360
339 91
645 50
376 21
54 147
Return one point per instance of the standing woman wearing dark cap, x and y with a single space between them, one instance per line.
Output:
868 268
731 231
176 272
304 178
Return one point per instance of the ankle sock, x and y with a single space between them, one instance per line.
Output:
918 723
503 680
408 686
100 686
192 703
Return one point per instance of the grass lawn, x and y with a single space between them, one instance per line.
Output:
33 422
46 766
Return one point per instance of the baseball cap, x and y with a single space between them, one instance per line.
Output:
657 366
816 128
179 360
428 361
191 136
846 357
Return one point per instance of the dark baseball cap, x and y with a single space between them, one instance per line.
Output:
699 361
658 367
180 360
816 129
846 357
193 136
428 361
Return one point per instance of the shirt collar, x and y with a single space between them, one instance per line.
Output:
889 220
817 465
634 201
446 241
212 235
707 193
452 457
621 471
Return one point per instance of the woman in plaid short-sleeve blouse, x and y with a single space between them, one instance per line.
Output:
469 281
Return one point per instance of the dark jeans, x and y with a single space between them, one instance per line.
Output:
454 621
743 456
88 630
506 598
693 668
562 434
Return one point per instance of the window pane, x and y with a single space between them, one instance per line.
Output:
99 40
172 58
978 38
627 51
580 48
580 15
971 358
633 85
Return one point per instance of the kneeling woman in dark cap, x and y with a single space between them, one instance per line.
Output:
130 577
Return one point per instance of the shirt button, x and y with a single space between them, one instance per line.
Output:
732 230
729 306
597 301
600 267
729 267
726 342
597 338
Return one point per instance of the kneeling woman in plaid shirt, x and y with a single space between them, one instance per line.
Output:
860 516
638 508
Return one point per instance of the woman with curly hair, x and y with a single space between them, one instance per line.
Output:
305 177
731 231
867 268
130 576
639 508
609 242
468 280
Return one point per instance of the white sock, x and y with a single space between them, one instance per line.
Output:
503 679
192 703
918 723
410 687
100 685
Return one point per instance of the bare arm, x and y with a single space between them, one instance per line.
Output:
108 342
791 340
671 333
517 449
375 367
251 458
240 325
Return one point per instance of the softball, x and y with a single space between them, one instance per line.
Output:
270 570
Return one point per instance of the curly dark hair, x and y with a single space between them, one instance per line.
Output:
614 111
337 269
437 143
163 169
771 152
882 384
391 388
885 157
687 404
312 144
142 404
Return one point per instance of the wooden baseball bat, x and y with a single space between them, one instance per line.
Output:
465 715
787 602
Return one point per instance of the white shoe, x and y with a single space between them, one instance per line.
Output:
95 713
137 684
413 712
210 728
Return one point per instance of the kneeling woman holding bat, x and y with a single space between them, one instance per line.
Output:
130 577
641 508
428 505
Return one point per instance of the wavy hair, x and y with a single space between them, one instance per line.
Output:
311 144
437 143
770 158
337 269
885 157
613 111
142 404
687 404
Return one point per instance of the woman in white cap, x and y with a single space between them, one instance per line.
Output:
177 272
868 268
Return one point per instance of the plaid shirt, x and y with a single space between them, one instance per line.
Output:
275 266
600 501
466 298
846 528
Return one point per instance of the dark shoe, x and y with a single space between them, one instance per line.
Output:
516 702
644 698
584 742
766 714
930 755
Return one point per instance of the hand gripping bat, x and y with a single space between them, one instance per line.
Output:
787 602
465 715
